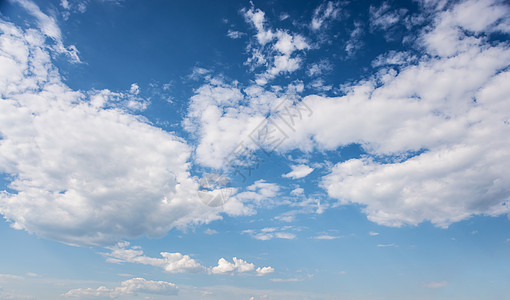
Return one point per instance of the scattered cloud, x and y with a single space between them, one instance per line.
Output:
286 279
373 233
179 263
269 233
326 237
210 231
387 245
298 171
171 262
233 34
128 287
324 13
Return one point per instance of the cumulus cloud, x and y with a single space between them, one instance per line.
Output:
128 287
264 271
74 160
226 267
179 263
298 171
433 126
171 262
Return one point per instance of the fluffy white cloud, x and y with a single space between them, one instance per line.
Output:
237 266
82 169
179 263
264 271
171 262
434 126
279 57
298 171
128 287
452 107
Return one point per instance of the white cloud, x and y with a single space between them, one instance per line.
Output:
386 245
355 42
49 27
264 271
210 231
447 36
269 233
326 237
171 262
297 191
383 17
128 287
77 159
286 279
298 171
279 58
323 13
237 266
373 233
179 263
319 68
233 34
393 58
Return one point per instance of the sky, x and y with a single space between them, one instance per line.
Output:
254 149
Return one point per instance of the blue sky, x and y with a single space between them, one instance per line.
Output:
254 150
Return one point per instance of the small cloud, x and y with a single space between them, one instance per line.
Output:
297 192
298 171
284 16
386 245
325 237
373 233
233 34
264 271
436 285
286 279
270 233
210 231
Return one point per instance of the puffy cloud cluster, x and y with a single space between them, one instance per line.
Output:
171 262
278 57
434 125
128 287
179 263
